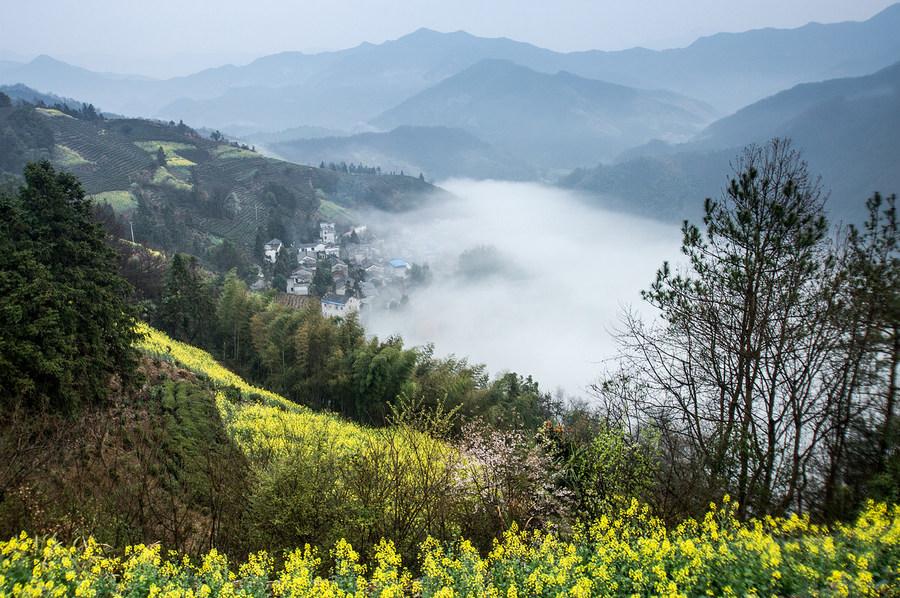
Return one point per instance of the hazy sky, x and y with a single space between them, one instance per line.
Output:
169 37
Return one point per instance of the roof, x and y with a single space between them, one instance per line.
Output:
398 263
274 242
302 273
333 299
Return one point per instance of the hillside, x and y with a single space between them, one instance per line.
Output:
848 130
552 121
438 152
344 88
23 93
205 192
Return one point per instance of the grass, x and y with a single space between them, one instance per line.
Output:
52 112
225 152
331 211
170 148
67 157
165 178
121 201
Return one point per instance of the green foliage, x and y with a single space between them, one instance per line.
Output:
603 465
186 309
65 328
323 280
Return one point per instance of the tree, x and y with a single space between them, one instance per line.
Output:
737 368
186 309
860 434
234 311
160 157
323 280
65 326
5 101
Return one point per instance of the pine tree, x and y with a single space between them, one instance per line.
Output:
65 326
186 308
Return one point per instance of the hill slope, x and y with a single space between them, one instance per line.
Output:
205 192
848 130
438 152
553 121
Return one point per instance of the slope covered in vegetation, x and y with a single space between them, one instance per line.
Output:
190 192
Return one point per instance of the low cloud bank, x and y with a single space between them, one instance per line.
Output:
551 277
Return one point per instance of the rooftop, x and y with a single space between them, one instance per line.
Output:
333 299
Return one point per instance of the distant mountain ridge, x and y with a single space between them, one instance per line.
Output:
848 130
437 152
344 88
549 120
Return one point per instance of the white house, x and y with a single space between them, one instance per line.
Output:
326 232
399 268
339 306
311 249
374 271
333 250
340 268
272 249
307 261
300 281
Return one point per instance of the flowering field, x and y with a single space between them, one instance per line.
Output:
630 554
263 423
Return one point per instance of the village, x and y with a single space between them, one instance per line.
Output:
349 272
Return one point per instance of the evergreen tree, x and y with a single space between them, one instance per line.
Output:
65 326
186 310
322 279
160 157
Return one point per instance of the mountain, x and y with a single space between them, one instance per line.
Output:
204 191
553 121
437 152
23 93
848 130
345 88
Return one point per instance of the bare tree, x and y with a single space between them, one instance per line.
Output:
734 366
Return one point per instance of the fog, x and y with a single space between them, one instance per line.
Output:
558 279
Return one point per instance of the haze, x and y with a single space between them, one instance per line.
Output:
173 37
571 269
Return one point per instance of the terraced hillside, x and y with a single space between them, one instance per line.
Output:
182 191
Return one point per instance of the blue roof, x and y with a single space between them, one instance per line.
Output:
398 263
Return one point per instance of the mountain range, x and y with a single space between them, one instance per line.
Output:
639 126
345 89
847 129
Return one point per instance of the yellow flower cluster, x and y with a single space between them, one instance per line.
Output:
631 554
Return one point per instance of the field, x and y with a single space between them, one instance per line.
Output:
121 201
263 423
164 177
330 211
67 157
226 152
631 554
171 149
52 112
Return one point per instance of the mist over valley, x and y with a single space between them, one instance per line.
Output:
560 272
